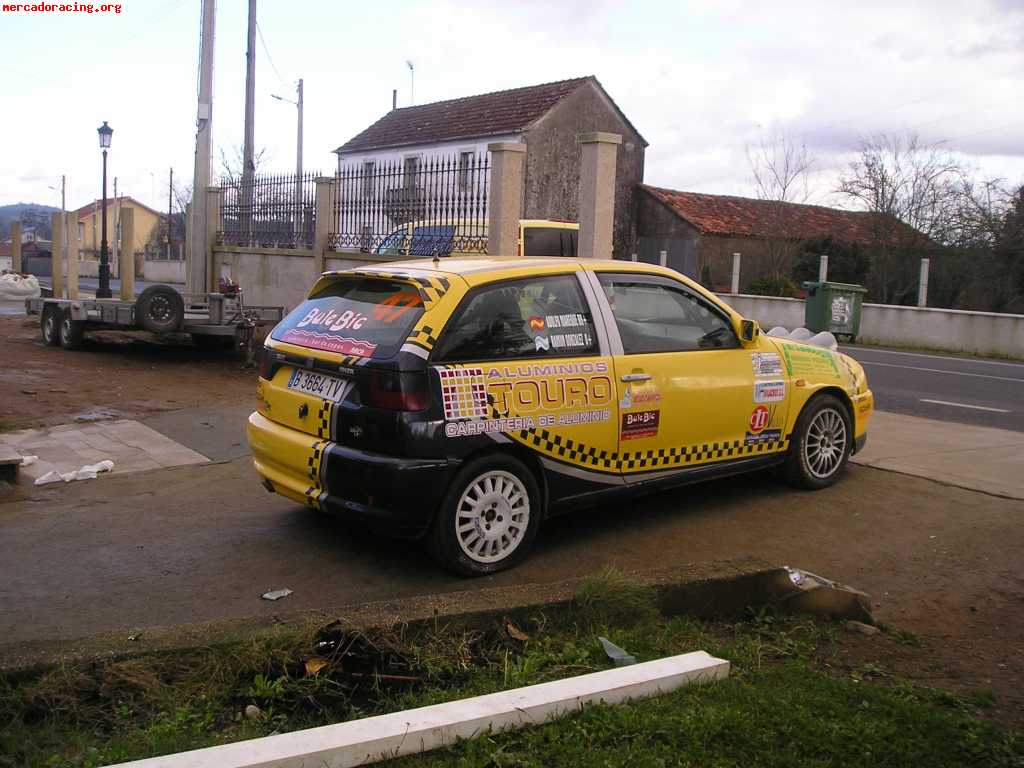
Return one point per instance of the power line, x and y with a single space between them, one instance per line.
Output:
270 59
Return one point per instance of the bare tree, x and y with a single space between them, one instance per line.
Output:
910 183
232 165
780 169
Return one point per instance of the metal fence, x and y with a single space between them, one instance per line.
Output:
412 206
271 211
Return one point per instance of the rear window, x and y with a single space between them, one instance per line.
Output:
368 317
549 241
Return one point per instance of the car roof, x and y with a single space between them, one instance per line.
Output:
484 269
480 270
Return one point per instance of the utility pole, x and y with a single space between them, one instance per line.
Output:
298 155
249 150
197 266
170 211
412 82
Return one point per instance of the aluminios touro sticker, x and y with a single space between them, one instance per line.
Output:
506 398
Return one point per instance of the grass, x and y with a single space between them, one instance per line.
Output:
6 425
785 703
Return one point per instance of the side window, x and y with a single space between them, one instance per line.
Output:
654 316
537 317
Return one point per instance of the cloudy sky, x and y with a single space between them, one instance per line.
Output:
701 81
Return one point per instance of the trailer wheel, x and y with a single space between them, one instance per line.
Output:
72 332
50 325
160 309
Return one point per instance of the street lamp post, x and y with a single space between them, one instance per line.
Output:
103 292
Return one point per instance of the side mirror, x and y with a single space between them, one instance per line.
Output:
748 331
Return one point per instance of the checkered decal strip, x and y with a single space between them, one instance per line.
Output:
464 393
574 452
323 419
423 337
315 463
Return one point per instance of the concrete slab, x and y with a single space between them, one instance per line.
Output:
218 433
977 458
409 732
133 447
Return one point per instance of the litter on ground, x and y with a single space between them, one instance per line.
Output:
276 594
15 287
88 472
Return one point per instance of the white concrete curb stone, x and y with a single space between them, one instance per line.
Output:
359 742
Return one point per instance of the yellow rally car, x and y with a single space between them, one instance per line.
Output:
467 399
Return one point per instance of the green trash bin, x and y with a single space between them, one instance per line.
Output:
833 307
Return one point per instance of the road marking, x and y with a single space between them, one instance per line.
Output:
979 360
965 405
939 370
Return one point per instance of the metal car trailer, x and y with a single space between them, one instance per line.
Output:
216 320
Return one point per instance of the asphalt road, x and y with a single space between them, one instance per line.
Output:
959 389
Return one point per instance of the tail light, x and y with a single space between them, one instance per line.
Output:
396 390
267 364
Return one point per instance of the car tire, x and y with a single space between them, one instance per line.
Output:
497 502
72 332
821 444
160 309
49 324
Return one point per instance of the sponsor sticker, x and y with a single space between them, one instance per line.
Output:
570 320
537 323
764 436
759 419
766 364
769 391
328 342
815 362
541 343
463 393
640 424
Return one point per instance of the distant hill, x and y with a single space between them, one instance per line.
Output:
31 216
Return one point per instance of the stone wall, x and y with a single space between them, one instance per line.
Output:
552 175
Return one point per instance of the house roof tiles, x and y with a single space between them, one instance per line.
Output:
489 114
729 216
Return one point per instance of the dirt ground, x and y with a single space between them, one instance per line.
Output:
180 546
117 376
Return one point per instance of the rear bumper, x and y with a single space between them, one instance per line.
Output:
859 443
397 496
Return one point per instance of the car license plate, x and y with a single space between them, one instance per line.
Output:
319 385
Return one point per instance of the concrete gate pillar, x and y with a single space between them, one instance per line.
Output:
506 203
597 193
57 259
71 235
127 250
324 210
16 246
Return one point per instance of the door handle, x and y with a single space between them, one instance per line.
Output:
636 376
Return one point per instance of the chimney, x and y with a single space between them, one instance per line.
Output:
394 98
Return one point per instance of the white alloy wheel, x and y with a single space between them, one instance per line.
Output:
826 443
492 516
